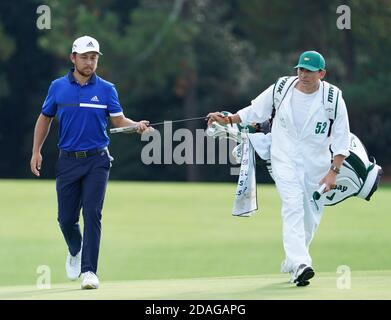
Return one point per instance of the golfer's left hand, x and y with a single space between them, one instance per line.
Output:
143 126
330 180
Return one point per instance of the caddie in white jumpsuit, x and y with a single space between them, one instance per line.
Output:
300 154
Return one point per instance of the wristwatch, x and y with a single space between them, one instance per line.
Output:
335 169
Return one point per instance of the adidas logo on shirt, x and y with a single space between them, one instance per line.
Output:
95 98
90 44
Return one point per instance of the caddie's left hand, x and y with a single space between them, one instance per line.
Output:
143 126
330 180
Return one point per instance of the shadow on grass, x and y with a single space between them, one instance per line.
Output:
270 291
34 294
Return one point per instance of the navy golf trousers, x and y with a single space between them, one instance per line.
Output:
81 183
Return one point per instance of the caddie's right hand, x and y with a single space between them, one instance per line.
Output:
218 117
35 163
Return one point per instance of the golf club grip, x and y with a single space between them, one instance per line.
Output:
318 193
124 129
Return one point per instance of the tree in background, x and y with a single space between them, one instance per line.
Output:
167 60
173 59
24 69
357 58
6 49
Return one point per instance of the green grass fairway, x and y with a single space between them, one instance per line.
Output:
373 285
179 241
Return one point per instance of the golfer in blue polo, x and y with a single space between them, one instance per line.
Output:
82 103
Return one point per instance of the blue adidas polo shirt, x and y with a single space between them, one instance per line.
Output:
82 111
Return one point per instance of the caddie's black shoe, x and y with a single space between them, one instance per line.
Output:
303 283
303 274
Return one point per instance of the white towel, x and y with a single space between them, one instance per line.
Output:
261 143
246 192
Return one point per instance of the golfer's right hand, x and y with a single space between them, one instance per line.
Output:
216 116
143 126
35 163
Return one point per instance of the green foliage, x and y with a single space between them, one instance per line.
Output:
180 59
7 47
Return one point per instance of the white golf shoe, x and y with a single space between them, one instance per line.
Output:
73 266
90 280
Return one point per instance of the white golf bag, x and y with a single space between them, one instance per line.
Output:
358 176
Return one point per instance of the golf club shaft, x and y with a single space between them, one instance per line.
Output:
176 121
131 129
318 193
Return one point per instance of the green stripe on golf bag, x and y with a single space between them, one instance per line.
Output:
357 164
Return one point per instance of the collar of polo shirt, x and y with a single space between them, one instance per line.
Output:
72 78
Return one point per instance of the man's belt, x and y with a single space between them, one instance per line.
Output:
81 154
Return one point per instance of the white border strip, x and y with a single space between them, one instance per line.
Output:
91 105
117 114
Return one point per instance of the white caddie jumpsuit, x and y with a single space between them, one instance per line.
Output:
299 161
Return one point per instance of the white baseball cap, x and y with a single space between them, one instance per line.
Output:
85 44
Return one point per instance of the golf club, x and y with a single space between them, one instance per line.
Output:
133 128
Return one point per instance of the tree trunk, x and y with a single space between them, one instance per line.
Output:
190 107
349 54
190 95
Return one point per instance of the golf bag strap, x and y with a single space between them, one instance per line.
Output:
280 90
330 101
330 98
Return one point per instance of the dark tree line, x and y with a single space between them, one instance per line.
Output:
177 59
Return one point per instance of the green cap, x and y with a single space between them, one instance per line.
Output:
311 60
